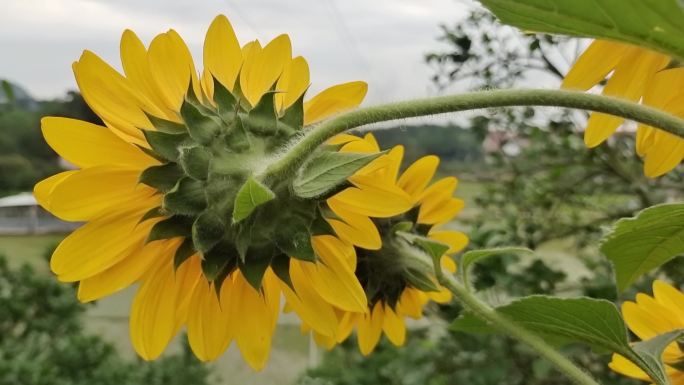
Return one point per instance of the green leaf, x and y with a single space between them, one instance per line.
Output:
238 138
262 119
595 322
251 195
294 115
153 213
186 198
163 177
202 128
164 144
474 256
167 126
195 161
654 24
297 245
225 101
638 245
255 264
650 354
281 267
185 251
420 280
175 226
327 170
219 261
207 231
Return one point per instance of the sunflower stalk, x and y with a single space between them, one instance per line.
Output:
318 135
498 321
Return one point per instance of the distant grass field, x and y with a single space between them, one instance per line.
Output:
30 249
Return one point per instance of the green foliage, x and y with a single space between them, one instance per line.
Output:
432 358
654 24
42 341
26 157
640 244
474 256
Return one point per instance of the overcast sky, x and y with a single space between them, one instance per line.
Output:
380 41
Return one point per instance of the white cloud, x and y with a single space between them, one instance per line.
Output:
382 42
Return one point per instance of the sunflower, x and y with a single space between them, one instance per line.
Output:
638 74
396 286
648 317
170 192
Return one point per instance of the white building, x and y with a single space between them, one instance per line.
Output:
21 214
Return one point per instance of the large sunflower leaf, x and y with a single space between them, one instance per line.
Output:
640 244
656 24
594 322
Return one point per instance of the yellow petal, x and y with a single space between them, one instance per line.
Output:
100 244
111 97
391 172
356 229
394 327
209 323
188 277
326 342
670 298
456 240
172 69
624 366
42 191
292 83
153 312
137 70
127 271
97 191
334 100
370 329
253 329
594 64
444 186
309 306
222 54
439 210
418 175
645 325
347 321
332 277
628 82
666 152
441 296
448 264
343 138
262 67
86 145
644 139
410 304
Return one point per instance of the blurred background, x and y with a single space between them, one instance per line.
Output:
525 175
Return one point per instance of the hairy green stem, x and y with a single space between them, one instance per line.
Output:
498 321
470 101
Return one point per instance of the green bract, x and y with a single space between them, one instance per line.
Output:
214 196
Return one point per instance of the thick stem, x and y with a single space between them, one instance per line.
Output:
471 101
